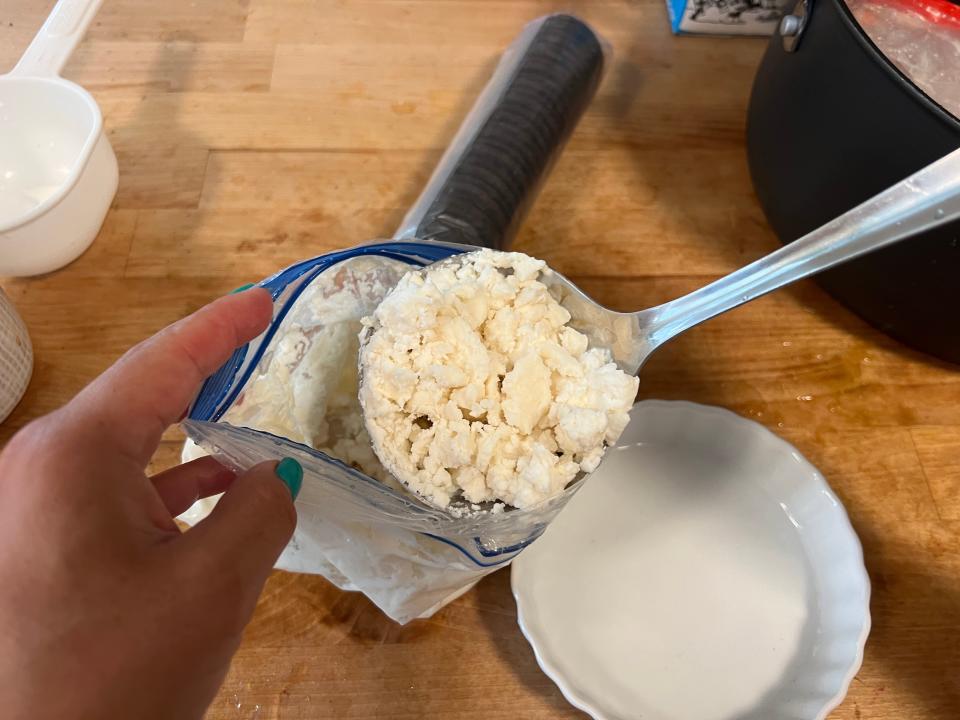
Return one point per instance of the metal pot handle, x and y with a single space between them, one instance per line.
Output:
793 24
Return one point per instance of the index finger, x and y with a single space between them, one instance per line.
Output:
148 389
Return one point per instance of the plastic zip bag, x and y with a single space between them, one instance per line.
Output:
359 532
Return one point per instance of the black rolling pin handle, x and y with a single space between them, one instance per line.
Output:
490 174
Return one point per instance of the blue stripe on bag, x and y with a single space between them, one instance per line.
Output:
220 390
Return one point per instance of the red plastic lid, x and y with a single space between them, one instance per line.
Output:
940 12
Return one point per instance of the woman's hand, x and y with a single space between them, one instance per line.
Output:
106 609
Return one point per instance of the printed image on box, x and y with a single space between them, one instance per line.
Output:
725 17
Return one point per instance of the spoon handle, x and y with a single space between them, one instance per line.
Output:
928 198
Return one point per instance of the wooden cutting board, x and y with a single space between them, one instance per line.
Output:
253 133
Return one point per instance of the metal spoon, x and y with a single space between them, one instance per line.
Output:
924 200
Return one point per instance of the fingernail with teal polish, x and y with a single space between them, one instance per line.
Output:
291 473
242 288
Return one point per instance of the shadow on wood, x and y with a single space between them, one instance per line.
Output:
498 615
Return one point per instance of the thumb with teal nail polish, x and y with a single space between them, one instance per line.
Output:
290 471
254 520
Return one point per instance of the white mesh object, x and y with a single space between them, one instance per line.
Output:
16 357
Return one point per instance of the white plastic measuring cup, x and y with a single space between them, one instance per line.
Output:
58 173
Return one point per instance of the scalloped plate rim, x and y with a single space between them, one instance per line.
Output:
773 439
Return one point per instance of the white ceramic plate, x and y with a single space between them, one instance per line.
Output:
705 572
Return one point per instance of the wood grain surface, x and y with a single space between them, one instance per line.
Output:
253 133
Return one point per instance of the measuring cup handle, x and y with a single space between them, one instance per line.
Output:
491 172
50 49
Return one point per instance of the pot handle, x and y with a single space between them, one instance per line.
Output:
50 49
793 24
491 172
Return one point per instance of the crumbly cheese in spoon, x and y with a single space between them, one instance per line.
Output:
474 384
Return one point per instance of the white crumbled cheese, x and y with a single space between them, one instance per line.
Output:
305 387
473 384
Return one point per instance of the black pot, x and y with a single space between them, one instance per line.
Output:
831 123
